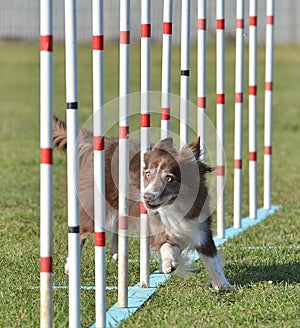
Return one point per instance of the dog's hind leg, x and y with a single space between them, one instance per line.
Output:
169 257
82 242
114 245
114 237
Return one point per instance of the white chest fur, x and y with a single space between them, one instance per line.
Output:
188 232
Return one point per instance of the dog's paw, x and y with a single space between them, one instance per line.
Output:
169 266
115 256
67 266
226 287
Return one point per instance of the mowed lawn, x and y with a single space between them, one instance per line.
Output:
263 262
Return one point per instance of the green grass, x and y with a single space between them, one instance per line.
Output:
267 280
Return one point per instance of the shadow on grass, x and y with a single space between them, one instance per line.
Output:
275 273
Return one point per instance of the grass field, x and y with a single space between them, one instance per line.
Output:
267 274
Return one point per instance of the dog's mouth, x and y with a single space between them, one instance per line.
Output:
154 205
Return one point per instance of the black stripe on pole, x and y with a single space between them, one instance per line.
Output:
72 105
185 72
73 229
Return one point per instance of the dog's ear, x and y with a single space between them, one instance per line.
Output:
146 160
165 144
191 152
194 147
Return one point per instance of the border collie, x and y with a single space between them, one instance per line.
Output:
175 195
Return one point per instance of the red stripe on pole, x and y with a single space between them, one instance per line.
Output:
268 150
98 42
252 155
124 37
253 21
46 264
145 120
269 86
123 222
220 24
165 114
202 24
142 208
99 239
99 143
270 20
46 43
237 163
221 170
46 156
240 23
145 30
252 90
220 99
167 27
239 97
123 132
201 102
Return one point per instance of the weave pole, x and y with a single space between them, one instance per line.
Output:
238 131
220 117
46 170
166 69
185 72
72 163
252 109
268 105
145 136
123 153
201 76
99 163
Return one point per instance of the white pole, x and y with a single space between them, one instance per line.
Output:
269 105
166 69
72 163
238 136
145 135
252 109
46 170
123 152
99 163
201 76
185 72
220 117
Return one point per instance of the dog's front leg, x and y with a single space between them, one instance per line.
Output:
169 257
214 267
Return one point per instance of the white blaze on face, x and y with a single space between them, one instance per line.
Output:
155 181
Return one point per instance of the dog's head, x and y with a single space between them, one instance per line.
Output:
168 173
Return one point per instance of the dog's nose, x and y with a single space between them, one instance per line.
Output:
148 197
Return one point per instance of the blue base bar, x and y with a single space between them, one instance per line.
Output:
246 223
137 296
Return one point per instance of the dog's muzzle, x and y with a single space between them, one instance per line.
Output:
152 201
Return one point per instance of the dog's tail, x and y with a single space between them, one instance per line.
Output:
85 139
59 134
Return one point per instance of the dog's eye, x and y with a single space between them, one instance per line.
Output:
147 175
169 179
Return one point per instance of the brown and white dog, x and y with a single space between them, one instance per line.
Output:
175 195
